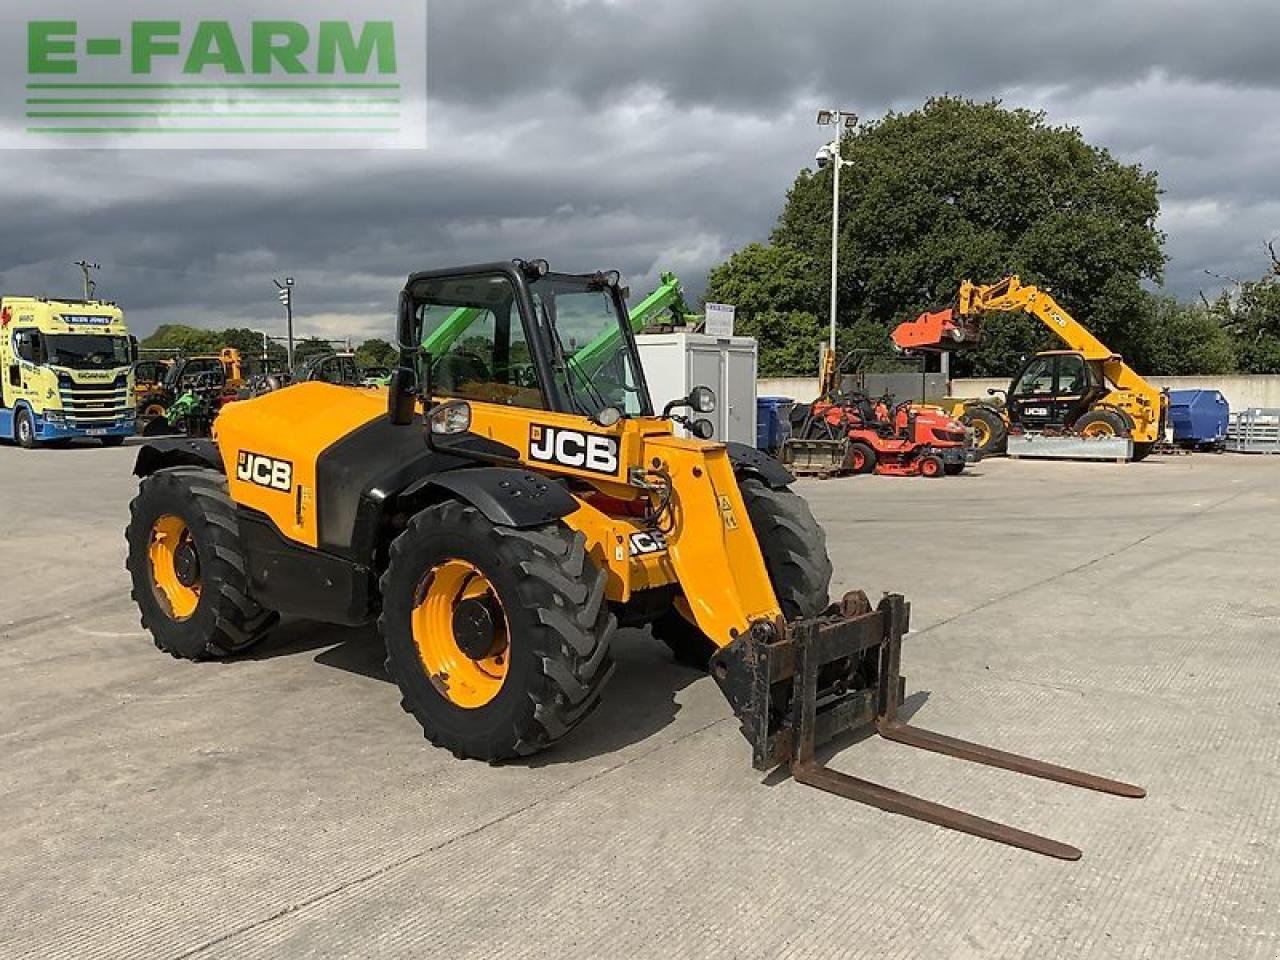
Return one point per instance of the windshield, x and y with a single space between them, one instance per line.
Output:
84 351
591 356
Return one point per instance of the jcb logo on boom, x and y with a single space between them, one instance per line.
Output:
264 471
595 452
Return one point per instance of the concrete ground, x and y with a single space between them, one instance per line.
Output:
1124 619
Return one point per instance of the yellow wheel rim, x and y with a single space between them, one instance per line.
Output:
153 410
175 567
467 669
981 433
1099 428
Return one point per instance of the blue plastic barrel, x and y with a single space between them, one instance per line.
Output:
773 422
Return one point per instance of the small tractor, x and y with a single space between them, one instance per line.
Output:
848 432
1061 400
499 513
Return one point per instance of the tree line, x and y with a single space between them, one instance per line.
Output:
189 340
959 189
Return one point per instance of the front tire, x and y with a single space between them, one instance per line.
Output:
794 548
954 469
24 430
498 638
188 568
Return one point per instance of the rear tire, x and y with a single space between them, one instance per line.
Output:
556 627
991 436
225 619
794 548
1101 423
24 430
862 457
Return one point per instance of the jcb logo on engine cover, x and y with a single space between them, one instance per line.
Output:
595 452
264 471
645 542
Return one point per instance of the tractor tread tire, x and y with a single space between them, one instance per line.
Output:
1113 418
998 432
553 597
794 548
227 621
869 458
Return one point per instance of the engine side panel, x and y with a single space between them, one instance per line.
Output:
271 445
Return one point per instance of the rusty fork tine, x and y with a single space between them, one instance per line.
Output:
894 801
976 752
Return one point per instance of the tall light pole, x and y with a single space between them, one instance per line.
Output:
286 298
89 286
830 154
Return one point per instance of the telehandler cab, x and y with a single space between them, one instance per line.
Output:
500 512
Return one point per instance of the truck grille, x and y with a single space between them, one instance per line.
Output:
90 405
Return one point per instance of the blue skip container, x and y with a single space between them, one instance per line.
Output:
1199 418
773 422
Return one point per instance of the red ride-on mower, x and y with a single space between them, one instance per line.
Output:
905 441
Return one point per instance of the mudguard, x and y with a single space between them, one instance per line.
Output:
748 461
176 452
512 498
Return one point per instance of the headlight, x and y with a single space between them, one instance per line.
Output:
703 400
608 417
450 418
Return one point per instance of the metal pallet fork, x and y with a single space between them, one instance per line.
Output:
840 672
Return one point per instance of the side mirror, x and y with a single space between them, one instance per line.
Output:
702 429
133 349
402 397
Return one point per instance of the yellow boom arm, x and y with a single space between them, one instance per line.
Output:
1132 391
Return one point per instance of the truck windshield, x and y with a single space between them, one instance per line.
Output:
591 357
83 351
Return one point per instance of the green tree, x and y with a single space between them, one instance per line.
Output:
177 336
1188 339
1252 316
310 347
376 353
955 190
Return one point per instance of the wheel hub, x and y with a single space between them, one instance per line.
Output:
186 564
475 628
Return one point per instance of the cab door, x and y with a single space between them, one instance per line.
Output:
1031 396
1076 388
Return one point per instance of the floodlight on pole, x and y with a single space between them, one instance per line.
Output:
286 299
831 153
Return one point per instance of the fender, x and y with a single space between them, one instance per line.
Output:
750 462
176 452
511 498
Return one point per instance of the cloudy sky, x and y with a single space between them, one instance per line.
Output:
648 136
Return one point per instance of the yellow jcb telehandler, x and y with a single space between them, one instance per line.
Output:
509 502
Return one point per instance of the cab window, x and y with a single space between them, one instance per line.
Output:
471 327
1036 379
1073 377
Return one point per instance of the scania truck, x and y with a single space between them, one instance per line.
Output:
66 371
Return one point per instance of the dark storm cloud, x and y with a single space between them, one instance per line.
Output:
758 54
648 136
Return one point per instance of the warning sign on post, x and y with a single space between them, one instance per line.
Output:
719 320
